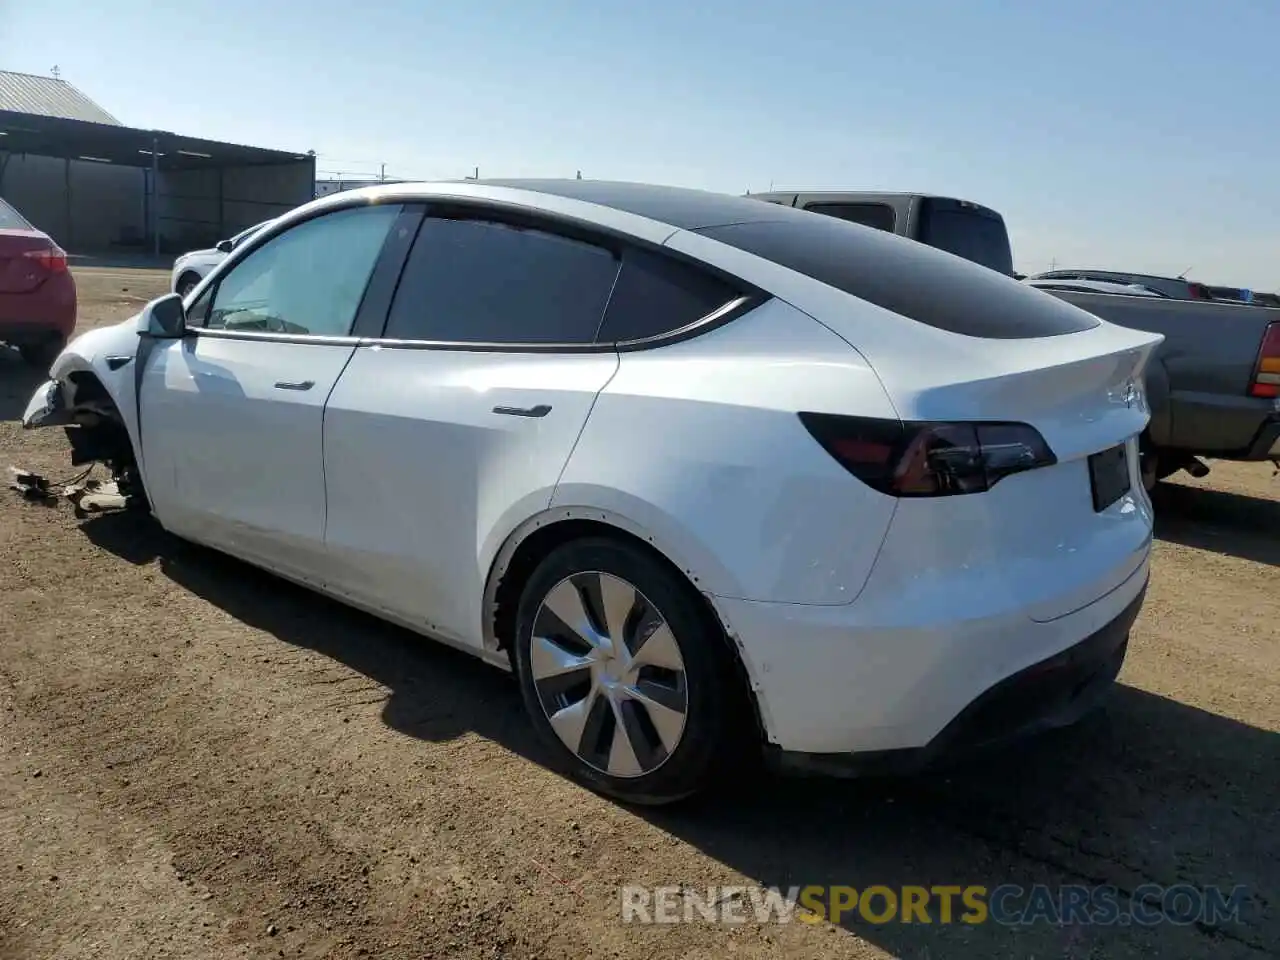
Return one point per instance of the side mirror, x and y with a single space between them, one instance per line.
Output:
223 246
164 318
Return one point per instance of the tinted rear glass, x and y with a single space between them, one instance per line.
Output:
877 215
678 206
906 277
967 233
656 295
11 219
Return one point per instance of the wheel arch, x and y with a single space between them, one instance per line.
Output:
538 536
189 273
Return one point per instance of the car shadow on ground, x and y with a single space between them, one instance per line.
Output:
1234 524
1150 791
18 380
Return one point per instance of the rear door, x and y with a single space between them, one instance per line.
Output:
443 435
231 416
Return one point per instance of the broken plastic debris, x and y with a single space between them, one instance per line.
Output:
95 496
86 495
30 485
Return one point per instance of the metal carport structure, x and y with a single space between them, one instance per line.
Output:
186 191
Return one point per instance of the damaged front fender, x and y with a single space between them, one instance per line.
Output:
91 394
47 407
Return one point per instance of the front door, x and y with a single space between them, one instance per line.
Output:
232 416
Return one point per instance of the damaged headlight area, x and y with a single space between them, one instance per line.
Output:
96 433
47 407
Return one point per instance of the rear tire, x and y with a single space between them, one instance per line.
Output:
43 353
186 283
624 676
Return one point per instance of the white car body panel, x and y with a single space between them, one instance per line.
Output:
718 417
844 681
233 460
198 262
864 621
427 481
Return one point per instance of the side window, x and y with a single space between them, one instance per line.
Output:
656 295
878 215
481 281
308 280
198 312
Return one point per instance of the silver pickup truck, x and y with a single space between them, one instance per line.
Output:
1213 385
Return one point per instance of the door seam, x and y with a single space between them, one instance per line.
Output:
324 443
617 365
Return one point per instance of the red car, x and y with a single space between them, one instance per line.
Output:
37 291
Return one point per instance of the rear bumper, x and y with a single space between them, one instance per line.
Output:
838 680
1223 426
47 312
1053 693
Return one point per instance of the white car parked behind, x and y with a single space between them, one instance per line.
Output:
711 475
192 267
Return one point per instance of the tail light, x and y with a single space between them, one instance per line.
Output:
1266 379
53 258
914 459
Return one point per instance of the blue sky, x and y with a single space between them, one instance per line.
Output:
1133 135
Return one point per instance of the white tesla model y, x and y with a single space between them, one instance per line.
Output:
712 476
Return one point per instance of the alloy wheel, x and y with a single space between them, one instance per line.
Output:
609 674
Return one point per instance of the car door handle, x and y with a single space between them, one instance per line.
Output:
541 410
295 384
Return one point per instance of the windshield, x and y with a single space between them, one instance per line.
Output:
969 233
11 219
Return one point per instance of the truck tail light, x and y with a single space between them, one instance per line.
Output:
1266 378
916 459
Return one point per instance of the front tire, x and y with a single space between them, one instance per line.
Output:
624 675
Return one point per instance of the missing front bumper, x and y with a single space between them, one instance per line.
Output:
47 407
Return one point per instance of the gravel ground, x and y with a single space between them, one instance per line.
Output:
199 760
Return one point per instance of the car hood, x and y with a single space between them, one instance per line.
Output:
191 254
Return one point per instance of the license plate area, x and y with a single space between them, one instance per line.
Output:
1109 476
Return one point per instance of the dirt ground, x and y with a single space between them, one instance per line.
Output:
198 760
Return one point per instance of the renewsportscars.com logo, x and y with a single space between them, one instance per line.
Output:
1007 904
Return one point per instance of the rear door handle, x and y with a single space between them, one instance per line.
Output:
295 384
541 410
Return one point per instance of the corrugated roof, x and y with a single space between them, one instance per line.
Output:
48 97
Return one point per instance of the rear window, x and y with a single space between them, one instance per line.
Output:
877 215
908 278
967 233
654 295
11 219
